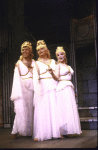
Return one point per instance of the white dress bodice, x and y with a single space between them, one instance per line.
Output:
46 81
22 77
66 73
24 71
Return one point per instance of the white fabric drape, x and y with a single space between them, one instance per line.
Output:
45 111
69 122
22 96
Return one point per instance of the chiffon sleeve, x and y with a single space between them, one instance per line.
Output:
36 84
16 86
71 70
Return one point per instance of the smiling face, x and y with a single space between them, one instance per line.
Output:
61 57
26 52
42 52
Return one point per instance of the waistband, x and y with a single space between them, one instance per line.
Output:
46 78
27 78
64 80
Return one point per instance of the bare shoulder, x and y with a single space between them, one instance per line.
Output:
70 69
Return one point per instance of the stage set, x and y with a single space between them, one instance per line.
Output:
18 24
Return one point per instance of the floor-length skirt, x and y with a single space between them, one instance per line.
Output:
69 121
19 125
45 117
23 122
29 111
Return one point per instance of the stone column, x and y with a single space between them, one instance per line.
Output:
72 59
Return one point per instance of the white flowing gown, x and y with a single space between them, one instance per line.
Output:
22 96
69 121
45 111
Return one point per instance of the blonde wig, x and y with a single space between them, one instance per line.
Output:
29 45
26 44
41 44
61 49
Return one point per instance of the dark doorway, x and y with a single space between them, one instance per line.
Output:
86 76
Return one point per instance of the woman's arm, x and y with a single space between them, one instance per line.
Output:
56 74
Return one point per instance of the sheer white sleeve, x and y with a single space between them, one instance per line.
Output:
16 87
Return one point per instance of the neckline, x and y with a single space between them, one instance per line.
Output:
25 64
67 66
45 63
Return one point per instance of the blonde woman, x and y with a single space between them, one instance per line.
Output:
69 121
45 111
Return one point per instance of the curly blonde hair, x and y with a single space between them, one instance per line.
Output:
29 45
61 49
26 44
42 44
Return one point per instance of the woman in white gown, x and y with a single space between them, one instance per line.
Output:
23 92
45 115
69 121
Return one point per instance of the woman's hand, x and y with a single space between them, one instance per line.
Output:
52 73
50 70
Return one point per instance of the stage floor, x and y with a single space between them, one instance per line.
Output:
88 139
